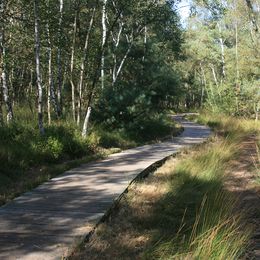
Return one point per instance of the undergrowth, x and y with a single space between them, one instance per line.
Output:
27 158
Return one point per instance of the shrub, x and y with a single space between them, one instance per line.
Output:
53 148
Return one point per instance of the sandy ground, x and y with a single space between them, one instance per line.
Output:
242 180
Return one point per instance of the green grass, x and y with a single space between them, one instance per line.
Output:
198 213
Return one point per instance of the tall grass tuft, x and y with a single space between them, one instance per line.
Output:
198 216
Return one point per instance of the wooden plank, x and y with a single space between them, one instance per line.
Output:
42 224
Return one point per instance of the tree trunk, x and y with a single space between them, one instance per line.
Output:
104 36
37 61
95 80
50 79
214 75
118 70
237 69
86 122
59 90
204 85
237 60
82 66
116 40
221 41
51 92
8 103
72 66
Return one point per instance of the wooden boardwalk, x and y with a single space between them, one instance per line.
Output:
45 223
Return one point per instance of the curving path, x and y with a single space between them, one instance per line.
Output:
44 223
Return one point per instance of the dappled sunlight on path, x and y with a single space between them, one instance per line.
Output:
46 222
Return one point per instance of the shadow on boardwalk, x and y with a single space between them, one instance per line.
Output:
44 223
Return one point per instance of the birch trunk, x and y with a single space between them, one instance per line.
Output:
116 40
119 69
82 66
37 61
204 85
59 90
221 41
214 75
86 122
95 80
104 36
72 67
8 103
50 80
51 92
237 60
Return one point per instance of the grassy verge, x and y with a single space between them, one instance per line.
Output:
183 211
28 159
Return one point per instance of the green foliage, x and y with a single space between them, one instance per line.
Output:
23 147
222 62
153 128
119 139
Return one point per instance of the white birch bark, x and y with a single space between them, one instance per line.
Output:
82 65
37 61
221 41
117 68
72 67
86 122
51 92
8 103
59 90
204 84
104 36
237 58
116 41
50 80
214 75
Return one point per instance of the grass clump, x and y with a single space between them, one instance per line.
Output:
197 214
183 210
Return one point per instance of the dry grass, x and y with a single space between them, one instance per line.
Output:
124 235
182 211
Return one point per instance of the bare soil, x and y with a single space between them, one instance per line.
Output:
243 181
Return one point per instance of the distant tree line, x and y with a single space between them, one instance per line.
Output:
221 70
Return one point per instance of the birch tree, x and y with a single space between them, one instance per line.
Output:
37 64
72 64
59 89
83 61
3 64
104 36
